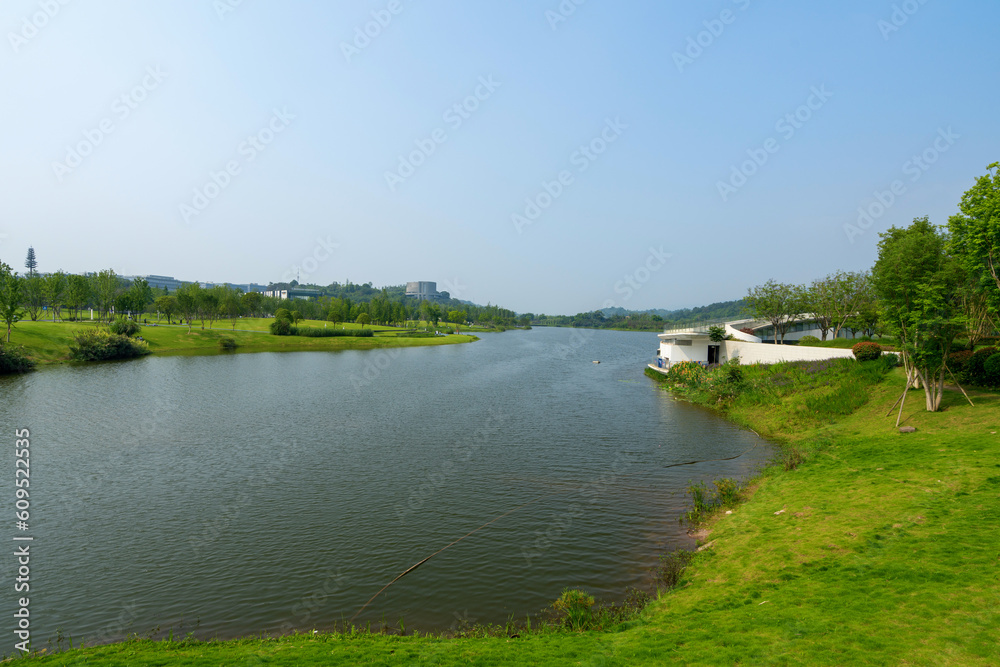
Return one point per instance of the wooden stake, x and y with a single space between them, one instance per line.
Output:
901 404
898 399
960 387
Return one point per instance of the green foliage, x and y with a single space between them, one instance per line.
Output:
717 334
283 314
123 326
688 373
809 341
575 608
11 298
704 501
316 332
865 351
777 303
975 367
957 361
281 326
228 344
14 359
975 232
97 345
991 371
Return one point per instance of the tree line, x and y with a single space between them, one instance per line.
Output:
931 287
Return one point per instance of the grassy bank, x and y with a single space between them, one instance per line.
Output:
48 342
874 547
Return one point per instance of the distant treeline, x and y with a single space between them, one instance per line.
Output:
648 320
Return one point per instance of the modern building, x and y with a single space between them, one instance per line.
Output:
291 293
169 282
423 290
695 344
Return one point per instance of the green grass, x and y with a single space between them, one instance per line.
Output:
879 548
48 342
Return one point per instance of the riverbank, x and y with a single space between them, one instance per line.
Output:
48 342
876 548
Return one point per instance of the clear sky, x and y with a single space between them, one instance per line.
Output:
632 153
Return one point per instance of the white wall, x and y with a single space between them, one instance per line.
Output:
765 353
697 351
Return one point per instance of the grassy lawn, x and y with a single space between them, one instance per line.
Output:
49 342
879 548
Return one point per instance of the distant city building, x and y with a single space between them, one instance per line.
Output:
168 282
422 290
291 293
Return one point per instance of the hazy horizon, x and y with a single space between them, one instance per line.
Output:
547 156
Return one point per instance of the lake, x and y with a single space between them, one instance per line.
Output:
247 493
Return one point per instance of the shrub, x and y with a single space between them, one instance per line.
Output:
809 340
866 351
975 371
689 373
96 345
991 371
316 332
281 326
891 359
283 314
124 326
227 344
14 359
957 361
717 334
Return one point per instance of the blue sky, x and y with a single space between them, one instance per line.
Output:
635 154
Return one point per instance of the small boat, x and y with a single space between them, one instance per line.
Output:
597 362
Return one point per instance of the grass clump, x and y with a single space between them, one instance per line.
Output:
228 344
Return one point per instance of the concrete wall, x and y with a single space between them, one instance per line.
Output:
739 335
763 353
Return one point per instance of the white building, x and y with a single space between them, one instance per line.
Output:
695 344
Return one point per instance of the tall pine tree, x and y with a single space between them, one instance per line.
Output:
31 263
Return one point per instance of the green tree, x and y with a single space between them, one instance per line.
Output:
166 305
780 304
34 295
138 296
10 298
55 289
834 299
31 263
208 306
78 293
252 303
107 286
918 286
296 317
187 301
975 231
363 319
232 304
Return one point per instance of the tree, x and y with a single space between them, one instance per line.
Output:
10 298
140 294
979 319
918 285
458 316
166 305
78 292
187 301
363 319
107 286
31 263
208 306
778 303
975 232
834 299
252 303
55 289
296 317
232 303
34 295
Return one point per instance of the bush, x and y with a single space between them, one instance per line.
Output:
281 326
689 373
668 573
891 359
123 326
867 351
96 345
991 371
957 361
227 344
316 332
809 341
14 359
283 314
975 366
